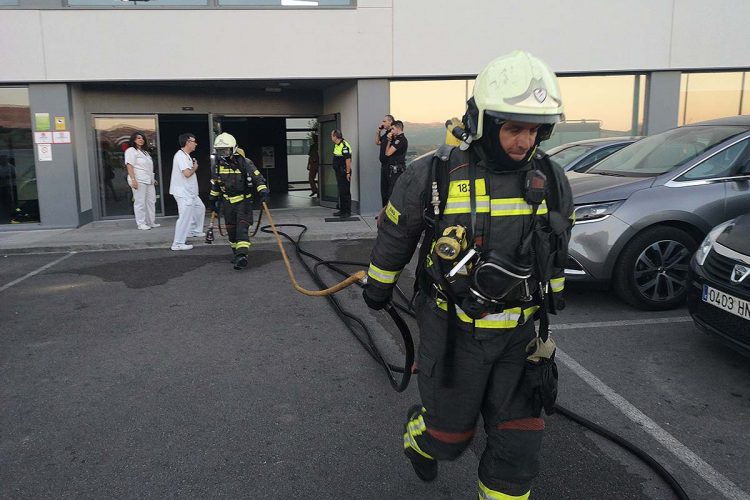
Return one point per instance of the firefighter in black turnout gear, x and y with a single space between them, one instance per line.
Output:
234 182
496 216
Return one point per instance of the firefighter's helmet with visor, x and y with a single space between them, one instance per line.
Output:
515 87
225 145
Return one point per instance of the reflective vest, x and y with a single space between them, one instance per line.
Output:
341 152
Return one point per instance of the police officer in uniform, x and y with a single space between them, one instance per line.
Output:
396 147
381 140
496 217
342 167
234 182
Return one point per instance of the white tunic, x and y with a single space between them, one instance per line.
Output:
179 184
143 165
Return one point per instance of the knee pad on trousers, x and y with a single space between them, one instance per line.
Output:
510 461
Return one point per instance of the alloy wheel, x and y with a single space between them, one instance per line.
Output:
661 270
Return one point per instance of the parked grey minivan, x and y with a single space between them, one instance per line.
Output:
641 212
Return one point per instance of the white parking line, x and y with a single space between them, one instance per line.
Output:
34 273
626 322
682 452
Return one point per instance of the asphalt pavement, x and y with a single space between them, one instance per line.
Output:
132 371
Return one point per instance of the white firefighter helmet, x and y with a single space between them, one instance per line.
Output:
517 87
225 145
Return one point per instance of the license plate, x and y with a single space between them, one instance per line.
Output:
726 302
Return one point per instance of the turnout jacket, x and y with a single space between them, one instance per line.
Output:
236 180
503 219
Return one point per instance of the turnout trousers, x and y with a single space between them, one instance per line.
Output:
487 379
238 217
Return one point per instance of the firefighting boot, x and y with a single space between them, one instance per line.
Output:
240 261
425 468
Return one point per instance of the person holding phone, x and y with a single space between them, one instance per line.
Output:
184 188
381 140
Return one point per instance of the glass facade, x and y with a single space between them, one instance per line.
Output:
299 132
135 3
705 96
287 3
424 106
595 106
600 106
19 202
112 139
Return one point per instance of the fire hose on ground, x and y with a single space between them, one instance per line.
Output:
406 369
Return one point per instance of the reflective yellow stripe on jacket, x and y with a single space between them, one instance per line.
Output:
497 207
381 275
502 320
227 170
237 198
557 284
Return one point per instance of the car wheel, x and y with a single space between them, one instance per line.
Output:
652 272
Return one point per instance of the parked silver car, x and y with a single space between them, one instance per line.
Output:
579 156
641 212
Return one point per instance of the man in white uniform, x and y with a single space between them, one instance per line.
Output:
184 188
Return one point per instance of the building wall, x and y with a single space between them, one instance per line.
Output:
172 98
57 179
380 38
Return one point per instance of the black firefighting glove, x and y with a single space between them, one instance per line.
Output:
376 298
559 301
265 196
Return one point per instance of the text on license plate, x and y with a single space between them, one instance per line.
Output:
726 302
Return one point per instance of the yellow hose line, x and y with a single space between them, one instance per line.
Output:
359 275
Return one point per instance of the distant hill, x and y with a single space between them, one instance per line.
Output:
424 137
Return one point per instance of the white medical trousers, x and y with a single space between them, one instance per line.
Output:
144 204
192 212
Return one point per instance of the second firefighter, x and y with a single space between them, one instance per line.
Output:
234 182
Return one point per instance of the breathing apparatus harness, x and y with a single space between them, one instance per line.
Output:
491 275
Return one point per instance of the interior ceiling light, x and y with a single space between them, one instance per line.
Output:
284 84
273 89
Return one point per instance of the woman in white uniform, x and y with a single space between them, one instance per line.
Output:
141 180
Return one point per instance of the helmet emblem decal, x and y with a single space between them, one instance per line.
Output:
540 94
536 89
739 273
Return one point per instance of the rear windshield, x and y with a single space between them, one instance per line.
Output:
660 153
566 156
